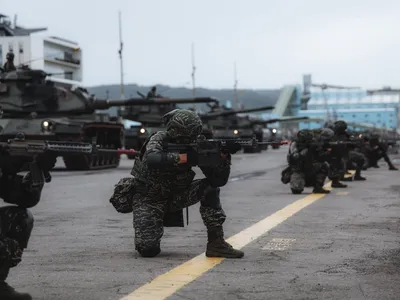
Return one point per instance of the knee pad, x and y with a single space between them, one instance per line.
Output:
211 197
149 251
19 224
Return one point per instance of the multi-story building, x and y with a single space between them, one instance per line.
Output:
31 47
356 106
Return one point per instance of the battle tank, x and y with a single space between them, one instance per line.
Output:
150 117
42 109
221 122
249 127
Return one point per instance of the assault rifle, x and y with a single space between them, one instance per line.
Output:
24 151
208 152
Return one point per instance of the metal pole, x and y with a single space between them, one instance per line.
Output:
121 44
235 87
193 75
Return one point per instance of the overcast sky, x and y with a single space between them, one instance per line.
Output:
274 42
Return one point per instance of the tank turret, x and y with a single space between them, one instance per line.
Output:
248 128
150 116
43 109
26 91
221 122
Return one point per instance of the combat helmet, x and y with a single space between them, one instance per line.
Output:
305 136
330 125
340 126
183 124
10 56
326 134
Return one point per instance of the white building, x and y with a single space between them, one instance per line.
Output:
51 54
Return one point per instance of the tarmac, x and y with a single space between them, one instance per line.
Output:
345 245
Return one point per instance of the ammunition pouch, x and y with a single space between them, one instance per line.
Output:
123 193
174 219
286 174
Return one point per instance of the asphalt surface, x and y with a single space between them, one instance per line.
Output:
344 246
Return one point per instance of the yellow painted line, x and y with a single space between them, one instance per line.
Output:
342 193
350 175
168 283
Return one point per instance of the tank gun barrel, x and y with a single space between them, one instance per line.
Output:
216 114
105 104
141 94
270 121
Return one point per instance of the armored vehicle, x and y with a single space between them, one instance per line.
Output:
249 127
150 117
42 109
222 122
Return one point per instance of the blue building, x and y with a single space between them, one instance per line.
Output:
379 110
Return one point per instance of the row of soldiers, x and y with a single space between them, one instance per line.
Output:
331 152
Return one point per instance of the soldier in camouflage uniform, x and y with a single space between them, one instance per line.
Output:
9 64
16 221
376 150
307 164
351 154
163 186
339 155
152 93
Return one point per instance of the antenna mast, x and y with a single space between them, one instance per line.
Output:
235 87
193 74
121 44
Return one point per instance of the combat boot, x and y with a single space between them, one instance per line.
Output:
7 292
392 168
347 179
218 247
358 176
320 190
338 184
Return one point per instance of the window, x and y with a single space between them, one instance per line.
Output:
354 116
379 115
366 115
68 75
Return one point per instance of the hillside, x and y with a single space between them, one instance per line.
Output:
249 98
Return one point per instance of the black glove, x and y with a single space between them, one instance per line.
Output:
192 157
304 152
46 162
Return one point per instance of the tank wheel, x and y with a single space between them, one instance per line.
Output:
248 150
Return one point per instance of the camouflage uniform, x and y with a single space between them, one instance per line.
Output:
162 188
152 93
357 159
375 151
339 156
9 64
307 164
16 224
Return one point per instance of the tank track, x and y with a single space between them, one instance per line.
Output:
110 137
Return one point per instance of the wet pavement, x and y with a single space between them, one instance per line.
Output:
345 245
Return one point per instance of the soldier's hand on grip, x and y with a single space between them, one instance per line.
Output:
304 152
